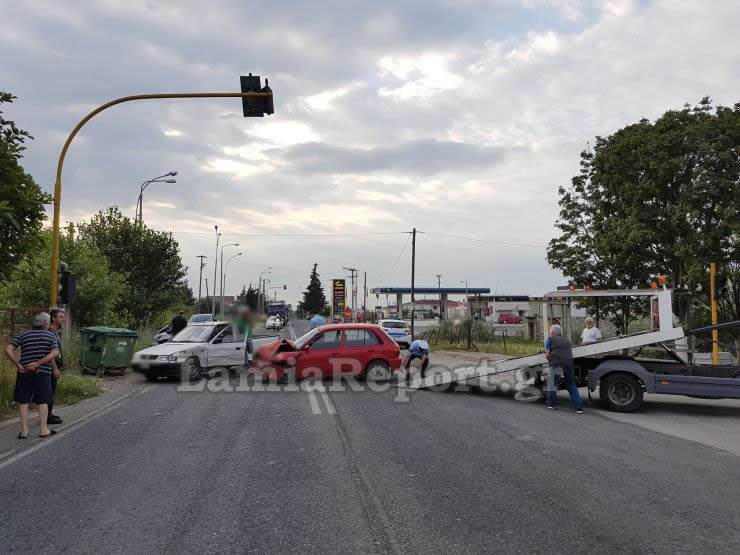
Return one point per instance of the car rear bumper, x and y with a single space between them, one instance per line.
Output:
161 369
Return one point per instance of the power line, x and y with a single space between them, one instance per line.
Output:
483 240
292 234
400 254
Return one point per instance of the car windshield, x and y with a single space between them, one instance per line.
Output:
302 340
196 318
394 325
194 334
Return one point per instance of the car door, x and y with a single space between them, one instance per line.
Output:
316 356
225 349
360 346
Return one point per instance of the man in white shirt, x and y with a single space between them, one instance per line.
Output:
590 333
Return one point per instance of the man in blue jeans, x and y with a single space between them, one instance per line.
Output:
559 353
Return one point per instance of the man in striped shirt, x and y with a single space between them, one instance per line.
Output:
33 381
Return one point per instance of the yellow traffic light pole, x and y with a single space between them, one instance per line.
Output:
60 164
713 295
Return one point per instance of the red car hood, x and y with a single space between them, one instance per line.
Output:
281 352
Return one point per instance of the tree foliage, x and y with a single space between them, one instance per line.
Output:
99 289
21 200
150 260
249 296
653 198
314 299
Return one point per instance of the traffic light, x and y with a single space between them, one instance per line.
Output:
255 107
67 287
720 291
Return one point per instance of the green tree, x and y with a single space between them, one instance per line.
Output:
149 259
21 200
99 290
248 297
314 299
653 198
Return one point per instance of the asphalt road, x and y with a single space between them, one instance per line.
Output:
318 470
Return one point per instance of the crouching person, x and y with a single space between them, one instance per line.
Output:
418 349
33 381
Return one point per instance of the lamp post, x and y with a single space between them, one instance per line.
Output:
227 269
140 201
259 286
222 274
215 269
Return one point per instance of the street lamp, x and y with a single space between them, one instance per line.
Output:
222 274
140 201
227 268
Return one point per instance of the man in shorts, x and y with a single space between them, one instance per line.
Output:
39 348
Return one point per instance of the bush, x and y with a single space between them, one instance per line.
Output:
454 336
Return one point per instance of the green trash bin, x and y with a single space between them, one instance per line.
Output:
103 348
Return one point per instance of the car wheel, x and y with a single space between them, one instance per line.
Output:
378 371
620 392
193 369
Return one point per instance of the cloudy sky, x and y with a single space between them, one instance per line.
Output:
457 117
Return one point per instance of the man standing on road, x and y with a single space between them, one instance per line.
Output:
178 323
418 349
57 321
317 321
33 380
559 352
590 333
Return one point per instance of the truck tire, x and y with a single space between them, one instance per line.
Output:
621 392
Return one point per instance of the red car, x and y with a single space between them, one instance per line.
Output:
360 350
510 319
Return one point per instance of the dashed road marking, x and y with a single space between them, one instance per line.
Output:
329 405
315 408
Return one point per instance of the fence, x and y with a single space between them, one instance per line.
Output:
15 320
468 333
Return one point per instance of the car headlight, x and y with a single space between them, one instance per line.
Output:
170 358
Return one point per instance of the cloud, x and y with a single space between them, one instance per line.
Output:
455 116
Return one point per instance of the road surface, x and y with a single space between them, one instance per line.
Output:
162 469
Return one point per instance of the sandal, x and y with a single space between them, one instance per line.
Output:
21 436
51 433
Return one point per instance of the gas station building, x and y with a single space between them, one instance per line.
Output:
443 293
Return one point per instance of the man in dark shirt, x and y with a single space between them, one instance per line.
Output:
178 323
57 321
559 353
33 381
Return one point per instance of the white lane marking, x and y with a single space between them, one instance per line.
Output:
292 331
325 396
73 426
315 408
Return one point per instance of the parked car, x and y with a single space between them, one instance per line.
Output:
510 319
162 336
360 350
398 330
196 350
274 323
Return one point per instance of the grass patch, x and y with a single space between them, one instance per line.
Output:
514 347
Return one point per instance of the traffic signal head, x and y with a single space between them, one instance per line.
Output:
720 290
67 287
259 106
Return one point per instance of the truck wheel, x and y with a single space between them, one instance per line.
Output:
620 392
192 369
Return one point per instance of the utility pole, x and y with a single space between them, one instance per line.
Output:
206 288
200 277
364 300
413 275
354 293
215 269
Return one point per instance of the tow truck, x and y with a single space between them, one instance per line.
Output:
622 379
